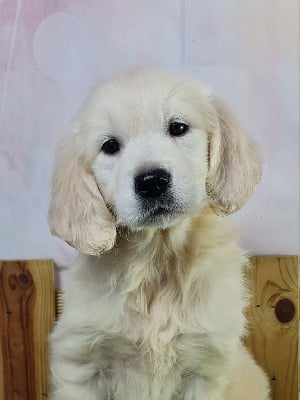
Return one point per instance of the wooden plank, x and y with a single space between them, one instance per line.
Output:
26 316
273 321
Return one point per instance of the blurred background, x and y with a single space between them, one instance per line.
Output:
53 52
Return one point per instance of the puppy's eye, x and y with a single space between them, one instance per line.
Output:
178 128
111 146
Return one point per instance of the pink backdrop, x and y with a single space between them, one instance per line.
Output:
51 52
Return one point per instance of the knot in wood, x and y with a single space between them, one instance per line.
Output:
285 310
24 280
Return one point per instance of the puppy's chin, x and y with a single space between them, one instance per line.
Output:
157 214
160 218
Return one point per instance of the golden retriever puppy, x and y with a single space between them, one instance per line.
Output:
154 306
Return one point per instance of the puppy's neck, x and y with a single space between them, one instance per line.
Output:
154 242
185 239
155 259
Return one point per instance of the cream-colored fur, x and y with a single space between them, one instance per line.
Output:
153 310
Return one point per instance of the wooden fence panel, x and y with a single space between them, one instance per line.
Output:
27 312
273 322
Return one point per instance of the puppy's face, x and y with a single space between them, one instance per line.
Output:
151 166
148 149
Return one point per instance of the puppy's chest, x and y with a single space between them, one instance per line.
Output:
157 335
156 323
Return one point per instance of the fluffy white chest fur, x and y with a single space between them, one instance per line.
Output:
154 306
157 317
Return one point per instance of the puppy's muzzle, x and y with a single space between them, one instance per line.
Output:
152 184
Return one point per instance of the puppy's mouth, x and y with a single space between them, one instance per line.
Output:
157 212
152 213
160 215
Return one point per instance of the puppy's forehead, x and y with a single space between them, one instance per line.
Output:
145 99
139 95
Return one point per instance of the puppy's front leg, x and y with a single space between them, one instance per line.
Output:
74 373
195 387
95 365
72 380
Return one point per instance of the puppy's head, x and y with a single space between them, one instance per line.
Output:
148 149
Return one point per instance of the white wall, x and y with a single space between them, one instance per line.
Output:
52 52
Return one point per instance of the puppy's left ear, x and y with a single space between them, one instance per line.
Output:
78 213
235 165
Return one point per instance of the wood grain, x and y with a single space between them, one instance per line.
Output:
273 342
27 313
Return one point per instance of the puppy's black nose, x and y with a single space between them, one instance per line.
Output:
152 183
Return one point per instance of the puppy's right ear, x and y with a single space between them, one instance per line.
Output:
78 213
234 160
